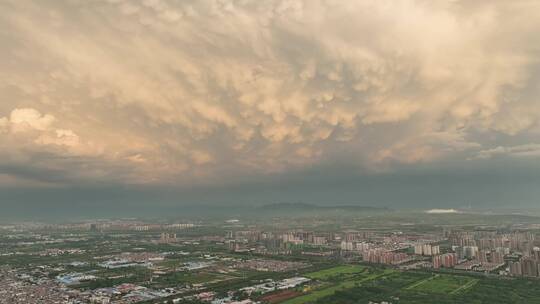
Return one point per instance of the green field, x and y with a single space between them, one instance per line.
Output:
447 284
175 278
408 287
327 273
428 288
330 290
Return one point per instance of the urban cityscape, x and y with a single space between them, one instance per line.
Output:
360 257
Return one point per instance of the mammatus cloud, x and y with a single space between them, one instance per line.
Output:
159 91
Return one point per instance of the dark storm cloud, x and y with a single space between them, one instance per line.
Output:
234 96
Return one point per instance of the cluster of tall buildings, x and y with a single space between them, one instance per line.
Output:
270 242
466 252
527 266
358 246
491 240
166 238
122 225
426 249
447 260
488 250
347 241
381 256
495 256
296 237
305 238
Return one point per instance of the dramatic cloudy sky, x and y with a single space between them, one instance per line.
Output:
402 103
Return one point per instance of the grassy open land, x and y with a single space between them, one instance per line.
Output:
330 289
180 278
443 284
416 284
426 288
465 287
327 273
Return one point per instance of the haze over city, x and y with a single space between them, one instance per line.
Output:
132 107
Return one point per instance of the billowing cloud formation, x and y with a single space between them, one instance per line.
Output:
30 118
158 91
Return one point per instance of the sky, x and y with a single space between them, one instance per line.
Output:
141 104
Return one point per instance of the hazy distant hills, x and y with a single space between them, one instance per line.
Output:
281 209
310 208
